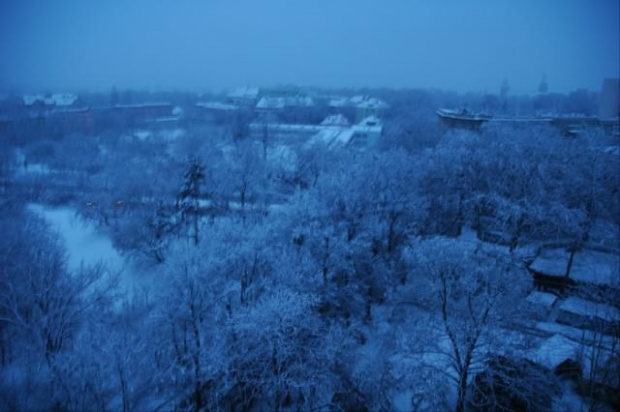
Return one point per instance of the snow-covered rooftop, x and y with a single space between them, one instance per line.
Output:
217 106
244 93
612 150
371 124
590 309
462 114
588 266
288 127
281 102
555 350
332 137
282 157
141 105
167 119
373 103
339 102
271 103
56 99
359 101
541 298
335 120
576 334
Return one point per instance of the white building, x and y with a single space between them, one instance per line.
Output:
244 96
56 99
277 103
364 106
333 132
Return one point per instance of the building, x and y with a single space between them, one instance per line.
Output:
585 314
609 100
335 120
72 120
244 96
597 270
270 104
50 100
461 119
217 112
144 110
367 132
363 106
370 107
5 124
333 132
284 132
570 125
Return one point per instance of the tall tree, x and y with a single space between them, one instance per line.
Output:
188 199
471 288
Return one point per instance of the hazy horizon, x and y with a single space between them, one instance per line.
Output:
211 46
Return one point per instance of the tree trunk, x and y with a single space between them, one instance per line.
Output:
464 376
196 356
573 250
368 314
242 195
325 261
196 229
121 374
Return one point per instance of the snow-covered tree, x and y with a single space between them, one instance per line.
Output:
188 199
472 289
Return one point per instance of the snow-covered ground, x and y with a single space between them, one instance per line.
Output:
87 246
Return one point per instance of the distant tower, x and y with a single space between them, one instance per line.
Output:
543 87
503 91
609 100
503 95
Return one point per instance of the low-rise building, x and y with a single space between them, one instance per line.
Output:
609 100
588 268
364 106
145 110
586 314
572 124
244 96
50 100
334 131
280 103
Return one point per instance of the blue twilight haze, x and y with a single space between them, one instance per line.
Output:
309 205
208 45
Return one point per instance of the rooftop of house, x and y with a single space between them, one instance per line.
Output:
55 99
588 309
588 266
332 137
358 101
142 105
369 124
542 298
244 93
281 102
373 103
335 120
287 126
339 102
334 131
555 350
217 106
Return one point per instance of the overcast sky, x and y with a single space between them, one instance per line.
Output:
214 44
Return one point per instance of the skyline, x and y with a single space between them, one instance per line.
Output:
210 46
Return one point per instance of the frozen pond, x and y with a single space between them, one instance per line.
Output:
85 245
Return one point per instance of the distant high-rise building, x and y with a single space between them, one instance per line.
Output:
609 100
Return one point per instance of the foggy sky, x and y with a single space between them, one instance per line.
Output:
214 44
